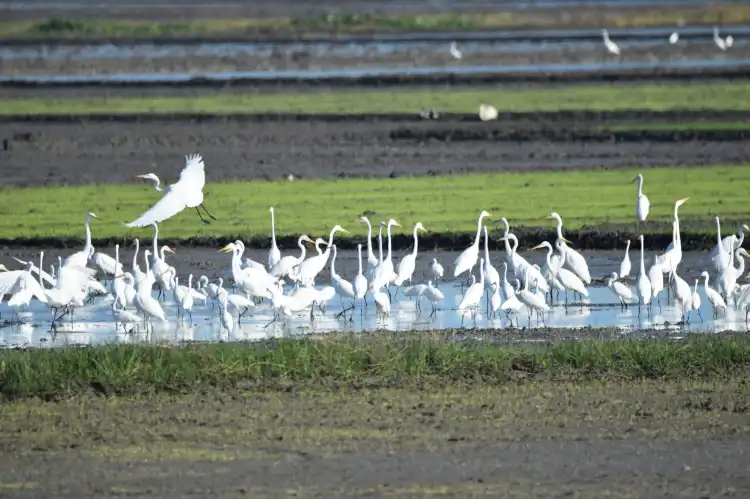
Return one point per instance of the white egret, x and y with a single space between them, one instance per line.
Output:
360 281
714 298
532 301
408 263
683 294
727 280
656 279
473 294
722 256
696 300
569 280
274 255
416 290
521 266
491 276
144 301
81 258
122 316
187 192
434 295
183 297
644 285
642 204
487 112
108 266
226 318
251 281
285 265
625 265
384 273
468 259
732 242
159 266
382 302
512 303
22 285
129 288
138 274
372 262
719 41
118 283
343 288
454 51
673 256
623 292
574 260
611 46
436 270
310 268
674 37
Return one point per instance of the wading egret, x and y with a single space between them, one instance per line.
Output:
436 270
696 300
656 279
573 259
714 298
310 268
644 285
491 276
611 46
454 51
384 273
722 256
360 281
733 242
468 259
409 262
343 287
673 256
226 318
285 265
642 204
473 295
719 41
81 258
434 295
532 301
625 265
372 261
683 294
521 266
569 280
274 255
623 292
122 316
187 192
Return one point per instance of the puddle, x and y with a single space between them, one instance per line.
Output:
93 324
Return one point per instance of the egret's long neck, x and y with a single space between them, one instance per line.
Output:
333 263
741 266
380 244
549 258
41 266
559 228
416 242
640 190
273 228
135 255
359 250
145 259
389 242
718 231
369 240
479 231
330 237
156 241
87 245
117 259
740 236
486 246
163 254
643 265
627 249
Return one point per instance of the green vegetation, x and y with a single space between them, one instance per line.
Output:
701 126
370 22
717 96
446 205
377 360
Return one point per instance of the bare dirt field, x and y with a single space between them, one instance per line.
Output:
585 439
82 151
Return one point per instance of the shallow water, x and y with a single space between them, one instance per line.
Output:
93 324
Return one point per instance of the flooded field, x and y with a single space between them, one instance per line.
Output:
600 314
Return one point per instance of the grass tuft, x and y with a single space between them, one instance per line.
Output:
380 360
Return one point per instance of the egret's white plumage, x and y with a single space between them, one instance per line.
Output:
611 46
468 259
274 255
573 259
436 270
409 262
623 292
642 204
643 284
714 298
625 265
360 281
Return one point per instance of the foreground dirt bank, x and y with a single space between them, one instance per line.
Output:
525 439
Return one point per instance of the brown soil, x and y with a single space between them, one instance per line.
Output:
84 151
524 439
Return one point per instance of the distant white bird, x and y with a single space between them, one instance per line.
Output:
625 265
642 203
718 40
623 292
612 47
436 270
274 255
468 259
487 112
674 37
714 298
187 192
454 51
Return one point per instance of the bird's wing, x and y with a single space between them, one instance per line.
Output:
9 282
168 206
74 277
194 173
33 286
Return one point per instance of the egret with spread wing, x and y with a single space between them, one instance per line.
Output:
185 193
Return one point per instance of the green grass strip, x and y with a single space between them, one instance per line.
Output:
444 204
717 96
366 22
133 369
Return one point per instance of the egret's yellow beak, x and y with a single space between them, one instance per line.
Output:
568 242
3 268
344 230
225 249
169 249
397 224
536 247
548 217
684 199
140 176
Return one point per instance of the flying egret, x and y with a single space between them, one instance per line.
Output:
436 270
611 46
468 258
409 262
623 292
644 285
274 255
625 265
714 298
574 260
642 203
187 192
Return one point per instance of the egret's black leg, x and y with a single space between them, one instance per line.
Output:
201 216
207 213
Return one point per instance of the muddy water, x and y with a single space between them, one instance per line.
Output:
94 324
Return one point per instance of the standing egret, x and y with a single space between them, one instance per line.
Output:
187 192
382 302
384 273
436 270
721 255
674 37
473 295
642 203
416 290
454 51
714 298
434 295
696 300
310 268
569 280
656 279
122 316
343 287
533 302
144 301
408 263
719 41
623 292
673 256
573 259
226 318
285 265
274 255
521 266
81 258
22 285
611 46
732 242
491 276
372 261
468 258
683 294
644 285
625 265
360 281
